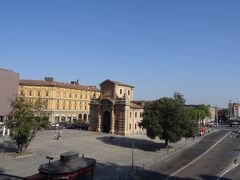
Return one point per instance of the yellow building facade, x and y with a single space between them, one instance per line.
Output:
67 102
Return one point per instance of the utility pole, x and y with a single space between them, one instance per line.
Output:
132 153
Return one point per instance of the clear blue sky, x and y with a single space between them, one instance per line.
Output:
158 46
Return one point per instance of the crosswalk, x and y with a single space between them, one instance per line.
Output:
230 129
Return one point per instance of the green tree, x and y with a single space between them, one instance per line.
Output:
223 115
168 119
26 119
191 123
178 96
203 112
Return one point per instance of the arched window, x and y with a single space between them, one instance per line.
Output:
85 117
80 116
30 93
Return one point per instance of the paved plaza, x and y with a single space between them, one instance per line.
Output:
113 153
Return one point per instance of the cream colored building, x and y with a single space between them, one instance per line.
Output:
214 113
234 110
115 111
67 102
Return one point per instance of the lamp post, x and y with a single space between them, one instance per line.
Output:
49 159
217 115
132 153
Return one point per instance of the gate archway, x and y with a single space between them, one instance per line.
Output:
106 122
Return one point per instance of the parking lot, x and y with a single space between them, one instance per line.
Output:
113 153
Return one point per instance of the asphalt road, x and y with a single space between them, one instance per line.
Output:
209 166
233 174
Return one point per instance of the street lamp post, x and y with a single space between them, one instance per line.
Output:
217 116
49 159
132 154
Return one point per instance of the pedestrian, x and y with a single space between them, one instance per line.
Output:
80 132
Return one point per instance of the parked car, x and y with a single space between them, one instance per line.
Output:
84 126
56 125
70 126
77 126
211 124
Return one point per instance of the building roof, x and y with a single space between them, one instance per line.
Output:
118 83
57 84
135 106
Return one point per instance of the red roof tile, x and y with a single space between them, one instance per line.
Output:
57 84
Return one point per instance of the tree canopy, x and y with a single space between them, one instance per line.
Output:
168 119
26 119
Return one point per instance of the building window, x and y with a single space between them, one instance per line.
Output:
141 115
76 95
22 92
120 91
86 96
135 126
63 105
64 94
46 93
128 92
38 93
130 114
58 93
135 114
130 127
70 95
57 106
46 104
30 93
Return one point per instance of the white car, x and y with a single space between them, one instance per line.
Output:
55 125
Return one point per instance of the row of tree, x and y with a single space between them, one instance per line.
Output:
170 120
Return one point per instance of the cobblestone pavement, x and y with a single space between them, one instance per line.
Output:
112 152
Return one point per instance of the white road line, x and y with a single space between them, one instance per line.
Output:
227 169
171 176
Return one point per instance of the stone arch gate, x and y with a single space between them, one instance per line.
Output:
102 116
107 116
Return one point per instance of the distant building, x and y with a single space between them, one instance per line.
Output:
233 110
115 111
8 91
65 102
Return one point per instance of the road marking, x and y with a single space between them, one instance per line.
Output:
171 176
231 166
227 169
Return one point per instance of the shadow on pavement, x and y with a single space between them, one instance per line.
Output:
141 144
1 170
